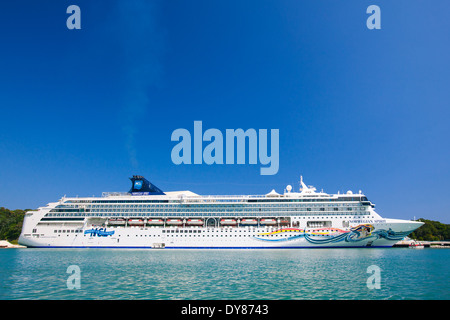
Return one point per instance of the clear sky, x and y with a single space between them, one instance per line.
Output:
357 109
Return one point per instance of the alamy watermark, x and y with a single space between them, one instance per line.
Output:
73 22
374 281
74 280
235 144
374 20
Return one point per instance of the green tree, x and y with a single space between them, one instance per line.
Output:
11 223
432 231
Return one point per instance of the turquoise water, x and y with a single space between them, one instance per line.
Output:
225 274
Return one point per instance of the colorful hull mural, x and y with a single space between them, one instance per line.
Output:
324 236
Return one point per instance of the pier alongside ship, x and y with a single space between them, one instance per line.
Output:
408 243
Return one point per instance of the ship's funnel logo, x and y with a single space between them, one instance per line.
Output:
138 184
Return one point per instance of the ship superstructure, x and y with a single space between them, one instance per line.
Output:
147 217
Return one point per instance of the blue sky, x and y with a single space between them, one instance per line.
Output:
357 109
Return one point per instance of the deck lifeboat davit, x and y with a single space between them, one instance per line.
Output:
228 222
194 222
155 222
174 222
268 222
249 222
136 222
116 222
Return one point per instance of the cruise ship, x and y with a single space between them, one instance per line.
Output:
147 217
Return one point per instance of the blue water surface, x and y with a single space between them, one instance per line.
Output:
225 274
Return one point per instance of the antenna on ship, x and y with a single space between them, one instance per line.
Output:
303 186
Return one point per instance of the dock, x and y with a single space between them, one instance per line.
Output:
427 244
437 244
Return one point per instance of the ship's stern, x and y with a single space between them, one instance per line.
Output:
30 222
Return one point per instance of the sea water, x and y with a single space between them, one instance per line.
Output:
226 274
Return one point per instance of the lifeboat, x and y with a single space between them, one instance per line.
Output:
174 222
136 222
249 222
228 222
155 222
116 222
194 222
268 221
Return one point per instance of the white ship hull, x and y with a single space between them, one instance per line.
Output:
382 235
158 220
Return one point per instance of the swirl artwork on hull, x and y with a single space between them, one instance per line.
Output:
333 235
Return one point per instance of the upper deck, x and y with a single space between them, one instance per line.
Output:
186 203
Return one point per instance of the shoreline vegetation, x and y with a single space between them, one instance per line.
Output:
11 227
431 231
11 224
